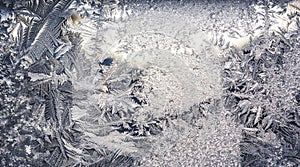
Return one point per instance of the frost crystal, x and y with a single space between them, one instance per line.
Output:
143 83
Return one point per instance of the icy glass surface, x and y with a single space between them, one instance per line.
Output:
149 83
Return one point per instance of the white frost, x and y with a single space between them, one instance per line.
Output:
28 149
